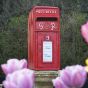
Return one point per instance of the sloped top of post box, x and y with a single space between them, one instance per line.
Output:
44 7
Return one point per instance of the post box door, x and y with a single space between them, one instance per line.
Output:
48 45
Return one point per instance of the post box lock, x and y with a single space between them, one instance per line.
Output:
47 37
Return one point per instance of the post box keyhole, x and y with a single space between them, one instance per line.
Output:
47 37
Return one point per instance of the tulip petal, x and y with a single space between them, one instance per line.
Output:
4 68
13 65
84 31
58 83
23 78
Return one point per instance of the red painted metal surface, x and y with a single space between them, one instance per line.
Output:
44 38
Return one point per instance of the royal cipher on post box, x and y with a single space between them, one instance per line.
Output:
44 38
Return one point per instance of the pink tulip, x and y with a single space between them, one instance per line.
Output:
74 76
20 79
84 31
13 65
71 77
58 83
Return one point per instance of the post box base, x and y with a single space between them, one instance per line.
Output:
44 78
44 69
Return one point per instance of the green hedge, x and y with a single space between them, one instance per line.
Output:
13 40
13 30
74 50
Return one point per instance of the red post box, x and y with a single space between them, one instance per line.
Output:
44 38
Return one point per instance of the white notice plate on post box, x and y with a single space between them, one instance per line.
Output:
47 51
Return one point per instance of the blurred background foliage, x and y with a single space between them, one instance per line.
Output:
14 21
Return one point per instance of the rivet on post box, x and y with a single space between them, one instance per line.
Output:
44 38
